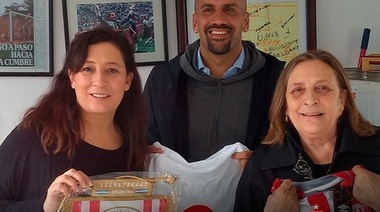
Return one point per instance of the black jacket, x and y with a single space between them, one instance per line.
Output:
165 94
268 163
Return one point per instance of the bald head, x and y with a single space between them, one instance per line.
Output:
198 3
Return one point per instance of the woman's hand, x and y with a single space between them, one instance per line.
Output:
69 183
242 157
284 198
366 187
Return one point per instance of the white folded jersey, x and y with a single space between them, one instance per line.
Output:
209 185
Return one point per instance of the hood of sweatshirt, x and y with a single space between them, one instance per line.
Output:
253 62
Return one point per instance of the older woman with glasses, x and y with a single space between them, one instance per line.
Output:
320 154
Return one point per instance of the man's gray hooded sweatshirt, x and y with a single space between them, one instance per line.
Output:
197 115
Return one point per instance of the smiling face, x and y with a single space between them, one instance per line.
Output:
313 98
220 24
101 82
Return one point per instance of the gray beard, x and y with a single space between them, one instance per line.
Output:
218 50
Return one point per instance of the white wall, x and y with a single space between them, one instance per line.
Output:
19 93
340 25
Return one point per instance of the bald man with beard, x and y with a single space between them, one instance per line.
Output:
217 92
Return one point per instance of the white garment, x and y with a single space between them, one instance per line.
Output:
210 183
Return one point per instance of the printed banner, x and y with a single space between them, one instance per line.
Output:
151 205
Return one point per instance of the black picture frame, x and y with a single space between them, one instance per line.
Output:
26 39
128 15
184 17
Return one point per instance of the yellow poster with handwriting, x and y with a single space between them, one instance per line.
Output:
273 27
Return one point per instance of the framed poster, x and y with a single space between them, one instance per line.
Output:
279 27
142 21
26 40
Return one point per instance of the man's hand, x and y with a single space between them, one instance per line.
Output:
242 157
366 187
154 149
284 198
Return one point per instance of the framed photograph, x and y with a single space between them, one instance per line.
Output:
26 39
281 28
142 21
